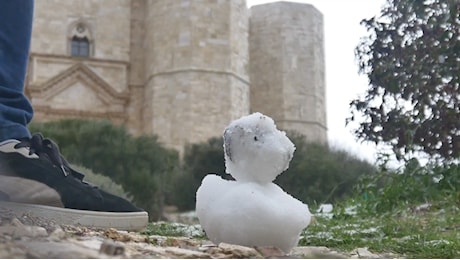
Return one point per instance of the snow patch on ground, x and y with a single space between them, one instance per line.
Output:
189 230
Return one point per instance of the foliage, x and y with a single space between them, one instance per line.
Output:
199 160
140 164
316 173
411 58
387 191
319 174
413 213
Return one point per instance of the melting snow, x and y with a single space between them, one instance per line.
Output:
189 231
251 210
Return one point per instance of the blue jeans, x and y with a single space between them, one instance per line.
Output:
15 33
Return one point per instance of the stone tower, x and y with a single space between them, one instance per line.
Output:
179 69
196 68
287 67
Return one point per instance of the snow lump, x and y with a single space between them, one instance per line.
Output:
251 210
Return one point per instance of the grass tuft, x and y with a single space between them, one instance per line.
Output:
433 232
174 230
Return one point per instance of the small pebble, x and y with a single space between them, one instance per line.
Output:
112 248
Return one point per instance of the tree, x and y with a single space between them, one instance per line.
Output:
412 61
199 160
319 174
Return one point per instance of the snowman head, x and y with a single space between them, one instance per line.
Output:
255 150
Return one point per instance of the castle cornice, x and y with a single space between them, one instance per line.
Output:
76 58
198 70
60 112
75 70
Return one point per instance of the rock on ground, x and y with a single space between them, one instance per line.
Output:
28 237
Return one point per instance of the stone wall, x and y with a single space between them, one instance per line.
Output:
107 20
196 76
60 85
136 77
287 67
179 68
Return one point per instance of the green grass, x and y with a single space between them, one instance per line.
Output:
383 216
174 230
405 232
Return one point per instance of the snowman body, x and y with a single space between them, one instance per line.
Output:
252 211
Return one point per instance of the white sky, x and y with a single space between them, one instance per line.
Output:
342 32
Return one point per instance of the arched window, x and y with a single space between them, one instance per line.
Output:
80 47
80 40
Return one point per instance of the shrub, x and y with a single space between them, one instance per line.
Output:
140 164
319 174
390 190
316 173
199 160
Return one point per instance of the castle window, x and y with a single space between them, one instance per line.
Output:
80 40
80 47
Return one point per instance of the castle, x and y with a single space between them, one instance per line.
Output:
180 69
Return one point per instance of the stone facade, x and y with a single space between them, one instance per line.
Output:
287 67
60 85
181 69
193 67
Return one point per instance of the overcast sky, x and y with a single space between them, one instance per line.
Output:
342 32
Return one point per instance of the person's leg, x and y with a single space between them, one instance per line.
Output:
34 177
15 33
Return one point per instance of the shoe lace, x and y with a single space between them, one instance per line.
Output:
46 148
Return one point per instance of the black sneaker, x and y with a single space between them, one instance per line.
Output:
36 179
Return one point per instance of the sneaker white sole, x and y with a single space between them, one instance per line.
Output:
129 221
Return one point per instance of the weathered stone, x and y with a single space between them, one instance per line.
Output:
23 231
117 236
9 250
209 248
183 242
77 230
185 253
57 235
142 250
46 249
90 242
316 252
239 251
16 223
9 218
365 253
157 240
270 251
124 236
112 248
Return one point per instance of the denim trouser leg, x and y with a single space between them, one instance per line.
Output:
15 33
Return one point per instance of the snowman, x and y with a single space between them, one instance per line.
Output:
251 210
